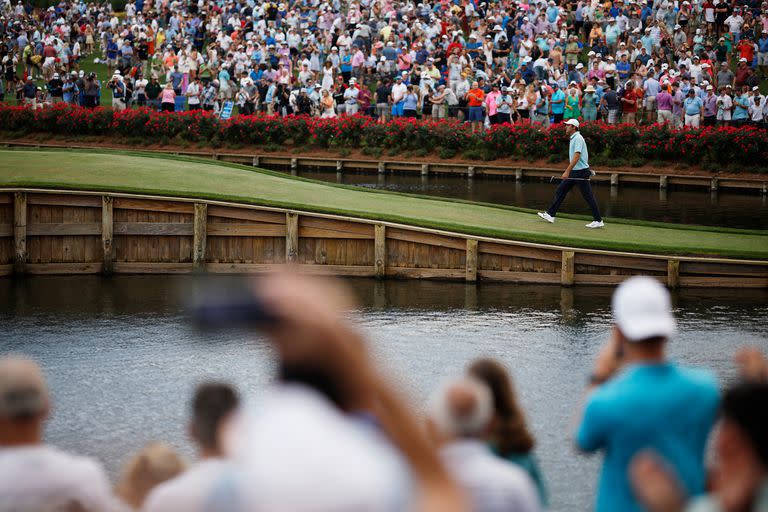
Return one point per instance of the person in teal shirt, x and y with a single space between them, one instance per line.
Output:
740 109
557 103
638 401
509 437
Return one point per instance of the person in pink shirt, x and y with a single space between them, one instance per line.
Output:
490 104
358 64
168 98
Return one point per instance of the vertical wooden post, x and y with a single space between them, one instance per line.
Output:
673 273
256 161
567 269
291 237
470 172
339 165
518 174
19 232
663 181
424 169
107 229
713 185
614 180
471 269
199 235
382 167
380 250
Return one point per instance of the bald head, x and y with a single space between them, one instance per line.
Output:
462 408
23 393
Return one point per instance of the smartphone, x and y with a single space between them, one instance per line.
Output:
233 307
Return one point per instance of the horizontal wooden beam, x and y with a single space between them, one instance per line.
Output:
153 228
62 229
152 205
426 273
520 277
427 239
122 267
723 282
64 268
6 230
64 200
256 230
229 212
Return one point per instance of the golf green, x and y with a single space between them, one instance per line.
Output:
144 173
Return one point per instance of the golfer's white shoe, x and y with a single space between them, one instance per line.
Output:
547 217
596 224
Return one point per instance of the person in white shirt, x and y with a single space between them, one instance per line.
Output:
37 476
350 97
194 92
213 405
724 107
459 413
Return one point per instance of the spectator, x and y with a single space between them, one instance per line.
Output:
458 415
212 405
632 374
508 435
154 464
38 476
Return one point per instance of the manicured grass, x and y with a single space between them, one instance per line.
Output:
188 177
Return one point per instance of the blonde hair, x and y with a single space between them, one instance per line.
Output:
153 465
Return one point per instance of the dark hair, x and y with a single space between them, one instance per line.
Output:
747 406
509 432
213 401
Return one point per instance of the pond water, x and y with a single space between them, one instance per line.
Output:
680 205
122 361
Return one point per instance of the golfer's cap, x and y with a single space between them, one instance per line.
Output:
710 88
642 309
398 77
507 89
622 43
390 43
665 66
665 82
573 122
677 27
610 57
591 53
383 58
755 88
23 393
728 86
55 75
579 66
705 65
742 59
589 89
353 80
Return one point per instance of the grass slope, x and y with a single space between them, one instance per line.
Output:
195 178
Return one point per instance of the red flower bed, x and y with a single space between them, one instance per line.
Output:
745 146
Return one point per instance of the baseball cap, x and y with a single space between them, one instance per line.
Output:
642 309
742 59
572 122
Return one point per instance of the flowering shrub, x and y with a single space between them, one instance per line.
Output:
747 146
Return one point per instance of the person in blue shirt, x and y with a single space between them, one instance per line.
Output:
740 109
762 54
576 174
693 108
638 401
557 103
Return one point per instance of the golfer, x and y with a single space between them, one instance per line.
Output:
577 173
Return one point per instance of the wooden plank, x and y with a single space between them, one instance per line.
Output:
305 232
606 260
153 228
723 282
255 268
6 230
244 214
6 198
64 200
471 263
151 268
19 231
291 237
241 268
226 229
520 277
380 251
64 229
127 203
342 226
519 252
107 230
6 270
607 279
199 234
63 268
567 269
426 273
723 269
427 238
673 273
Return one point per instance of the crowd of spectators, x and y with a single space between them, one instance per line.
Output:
333 433
693 63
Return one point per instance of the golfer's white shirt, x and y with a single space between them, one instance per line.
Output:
39 477
491 483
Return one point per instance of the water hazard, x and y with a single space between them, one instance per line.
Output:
122 361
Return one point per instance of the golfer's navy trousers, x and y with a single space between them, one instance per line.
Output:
585 188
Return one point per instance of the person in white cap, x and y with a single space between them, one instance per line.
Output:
577 173
638 400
